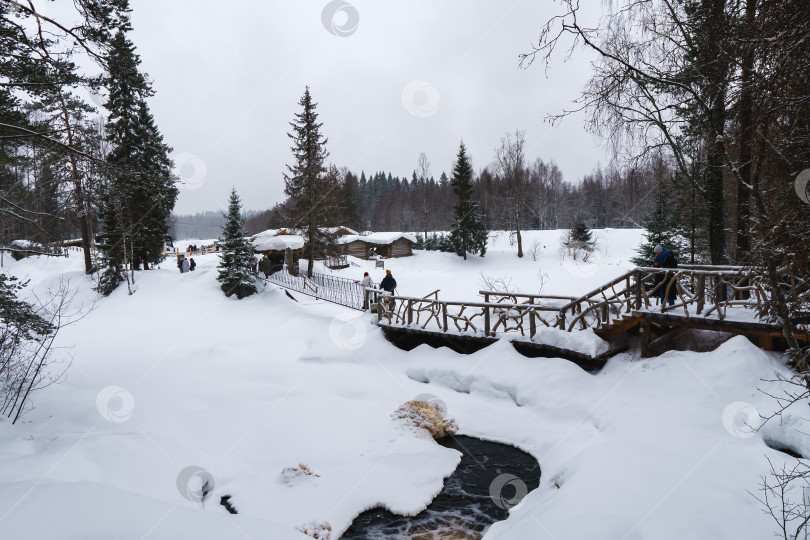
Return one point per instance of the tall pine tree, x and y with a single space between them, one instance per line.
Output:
468 233
141 191
236 264
312 193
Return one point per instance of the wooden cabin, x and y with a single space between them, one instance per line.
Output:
384 245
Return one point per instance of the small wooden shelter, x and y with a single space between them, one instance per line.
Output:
275 246
384 245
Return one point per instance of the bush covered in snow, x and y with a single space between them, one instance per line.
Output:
291 475
424 418
320 530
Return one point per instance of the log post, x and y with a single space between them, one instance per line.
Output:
532 324
486 321
639 285
701 293
562 319
645 340
410 312
444 315
627 292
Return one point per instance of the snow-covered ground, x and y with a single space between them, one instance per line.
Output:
178 376
542 269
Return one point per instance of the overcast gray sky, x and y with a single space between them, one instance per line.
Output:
392 79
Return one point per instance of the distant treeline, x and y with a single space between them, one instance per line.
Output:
199 226
384 202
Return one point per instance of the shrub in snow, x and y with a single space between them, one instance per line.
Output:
321 530
425 419
578 241
291 475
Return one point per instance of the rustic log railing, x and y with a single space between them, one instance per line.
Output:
698 291
482 318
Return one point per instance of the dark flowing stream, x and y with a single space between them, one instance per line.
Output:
490 479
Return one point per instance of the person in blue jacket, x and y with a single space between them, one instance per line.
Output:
665 259
388 284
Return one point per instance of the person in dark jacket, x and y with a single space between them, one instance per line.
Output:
665 259
388 284
192 265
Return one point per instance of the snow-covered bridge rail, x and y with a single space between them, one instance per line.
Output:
345 292
725 298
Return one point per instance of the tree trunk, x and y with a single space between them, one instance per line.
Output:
517 232
715 74
78 193
311 250
746 121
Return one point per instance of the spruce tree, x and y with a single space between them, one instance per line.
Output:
236 264
140 191
581 233
579 239
468 233
661 227
312 193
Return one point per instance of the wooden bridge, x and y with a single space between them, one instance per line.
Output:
727 299
345 292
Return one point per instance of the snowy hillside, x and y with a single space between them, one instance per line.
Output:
177 375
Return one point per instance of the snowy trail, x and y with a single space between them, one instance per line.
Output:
247 388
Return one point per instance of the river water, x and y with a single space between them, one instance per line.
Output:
491 478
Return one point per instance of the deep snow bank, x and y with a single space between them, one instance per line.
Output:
177 375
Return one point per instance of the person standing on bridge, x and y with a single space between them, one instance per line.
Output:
665 259
366 284
388 284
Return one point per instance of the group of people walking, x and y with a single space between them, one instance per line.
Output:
186 265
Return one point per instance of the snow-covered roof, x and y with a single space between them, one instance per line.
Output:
335 230
271 241
375 238
25 244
